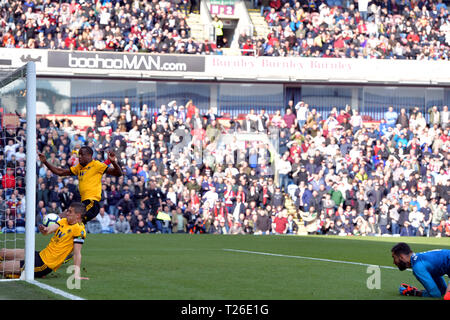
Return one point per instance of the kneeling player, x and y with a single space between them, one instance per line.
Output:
69 236
428 267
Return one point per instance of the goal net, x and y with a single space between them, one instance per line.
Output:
18 166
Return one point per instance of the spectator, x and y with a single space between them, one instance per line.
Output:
248 48
391 117
302 112
198 227
179 221
280 223
236 228
289 118
105 221
284 169
403 119
9 227
416 219
122 225
125 205
218 30
263 223
292 227
278 198
9 182
435 116
444 117
94 226
142 227
165 219
153 226
98 115
246 227
215 228
310 220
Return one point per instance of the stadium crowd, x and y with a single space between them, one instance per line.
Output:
107 25
377 29
335 175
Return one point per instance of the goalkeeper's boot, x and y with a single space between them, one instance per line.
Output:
447 296
407 290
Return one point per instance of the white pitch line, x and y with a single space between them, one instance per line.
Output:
55 290
310 258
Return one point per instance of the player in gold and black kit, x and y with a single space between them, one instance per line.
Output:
89 173
68 238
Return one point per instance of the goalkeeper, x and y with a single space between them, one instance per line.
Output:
428 267
69 236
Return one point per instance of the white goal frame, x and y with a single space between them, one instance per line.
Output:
29 71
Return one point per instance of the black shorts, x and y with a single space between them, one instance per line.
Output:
92 210
40 268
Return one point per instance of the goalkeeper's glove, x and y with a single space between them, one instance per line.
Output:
447 296
407 290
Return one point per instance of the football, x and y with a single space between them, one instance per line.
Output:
50 219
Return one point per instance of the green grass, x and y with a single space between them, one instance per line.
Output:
195 267
20 290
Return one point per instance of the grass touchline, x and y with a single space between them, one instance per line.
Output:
310 258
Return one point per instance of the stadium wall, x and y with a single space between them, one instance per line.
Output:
217 67
72 82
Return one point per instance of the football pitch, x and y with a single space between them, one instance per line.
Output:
221 267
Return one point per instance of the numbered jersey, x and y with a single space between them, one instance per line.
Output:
62 242
90 179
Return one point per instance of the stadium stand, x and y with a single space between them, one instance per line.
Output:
303 171
384 30
129 26
335 175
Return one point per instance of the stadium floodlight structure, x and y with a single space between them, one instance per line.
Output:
18 92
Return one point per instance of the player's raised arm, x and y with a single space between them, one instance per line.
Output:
52 168
115 170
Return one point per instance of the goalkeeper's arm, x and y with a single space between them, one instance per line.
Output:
433 287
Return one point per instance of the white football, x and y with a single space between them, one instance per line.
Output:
50 219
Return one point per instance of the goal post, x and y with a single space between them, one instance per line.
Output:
18 166
30 177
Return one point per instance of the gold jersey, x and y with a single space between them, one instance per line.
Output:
62 242
90 179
